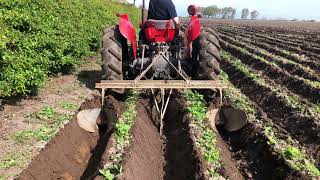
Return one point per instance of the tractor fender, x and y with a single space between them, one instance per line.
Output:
193 31
127 30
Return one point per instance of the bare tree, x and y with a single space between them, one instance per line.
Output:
254 14
245 13
201 10
227 12
212 11
215 12
233 14
209 11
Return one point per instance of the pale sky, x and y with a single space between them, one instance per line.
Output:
301 9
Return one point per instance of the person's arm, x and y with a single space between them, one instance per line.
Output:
172 12
176 20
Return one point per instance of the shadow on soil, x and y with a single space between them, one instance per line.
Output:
95 161
182 161
89 78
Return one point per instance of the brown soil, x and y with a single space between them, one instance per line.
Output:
273 49
231 168
144 159
293 69
277 74
73 153
77 154
254 156
302 128
65 156
172 157
284 44
183 161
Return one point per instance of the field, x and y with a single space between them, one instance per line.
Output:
272 73
275 67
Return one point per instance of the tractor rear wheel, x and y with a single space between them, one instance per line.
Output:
206 55
114 53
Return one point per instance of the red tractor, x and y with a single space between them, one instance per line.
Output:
161 61
170 58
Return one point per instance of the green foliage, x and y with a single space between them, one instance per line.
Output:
292 101
106 174
13 160
125 123
49 116
122 138
208 142
67 105
206 139
313 169
39 38
197 106
42 134
268 131
298 160
292 153
51 121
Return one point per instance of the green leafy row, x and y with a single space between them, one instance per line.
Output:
291 100
122 138
39 38
275 60
294 156
205 137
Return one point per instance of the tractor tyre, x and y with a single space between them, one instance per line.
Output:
114 53
206 55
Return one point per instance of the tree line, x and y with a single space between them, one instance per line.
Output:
227 12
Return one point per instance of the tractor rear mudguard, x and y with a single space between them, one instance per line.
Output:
193 31
127 30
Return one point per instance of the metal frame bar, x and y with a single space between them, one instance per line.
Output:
137 83
160 84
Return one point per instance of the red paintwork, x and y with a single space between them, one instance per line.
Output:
193 32
159 35
195 9
127 30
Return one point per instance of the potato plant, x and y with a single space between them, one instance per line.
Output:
39 38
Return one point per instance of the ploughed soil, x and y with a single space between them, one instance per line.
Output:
74 153
77 154
170 156
288 120
144 159
183 160
277 74
293 69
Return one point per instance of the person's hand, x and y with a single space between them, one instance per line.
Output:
176 20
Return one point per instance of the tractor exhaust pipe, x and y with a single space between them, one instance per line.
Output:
142 11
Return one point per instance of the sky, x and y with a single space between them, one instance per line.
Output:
271 9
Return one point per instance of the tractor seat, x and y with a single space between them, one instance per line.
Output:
160 24
159 31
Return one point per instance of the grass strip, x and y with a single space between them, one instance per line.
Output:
121 139
205 137
50 121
